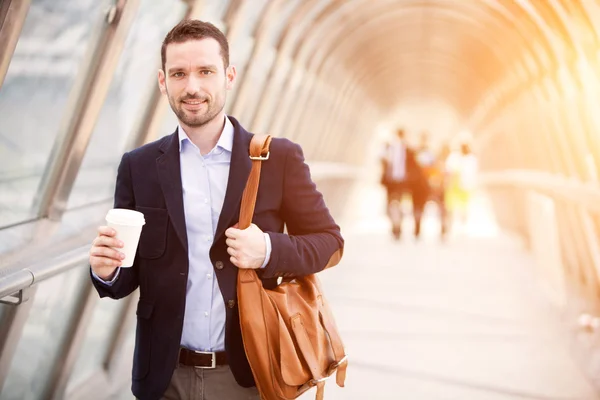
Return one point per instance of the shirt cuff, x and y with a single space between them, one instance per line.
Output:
109 283
268 251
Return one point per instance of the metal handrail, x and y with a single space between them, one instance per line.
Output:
586 194
572 190
30 275
43 270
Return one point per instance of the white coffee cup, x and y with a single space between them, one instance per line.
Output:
128 224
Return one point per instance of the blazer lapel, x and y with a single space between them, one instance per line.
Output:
239 170
169 176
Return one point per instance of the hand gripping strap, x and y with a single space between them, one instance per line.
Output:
259 151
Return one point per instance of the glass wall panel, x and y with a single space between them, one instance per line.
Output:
214 11
169 122
13 238
99 335
3 313
33 98
44 335
131 86
283 19
252 14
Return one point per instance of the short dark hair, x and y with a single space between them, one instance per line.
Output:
193 29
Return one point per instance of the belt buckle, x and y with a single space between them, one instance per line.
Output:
213 363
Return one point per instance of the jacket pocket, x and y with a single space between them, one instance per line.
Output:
153 240
143 341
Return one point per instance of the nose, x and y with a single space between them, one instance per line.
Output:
193 86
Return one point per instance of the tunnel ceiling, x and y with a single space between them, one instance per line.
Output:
450 52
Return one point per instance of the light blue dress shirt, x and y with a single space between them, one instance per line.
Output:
204 181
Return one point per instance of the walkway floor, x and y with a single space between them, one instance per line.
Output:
463 320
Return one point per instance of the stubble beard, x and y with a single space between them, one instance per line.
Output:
196 120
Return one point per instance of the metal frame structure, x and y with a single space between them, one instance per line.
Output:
333 71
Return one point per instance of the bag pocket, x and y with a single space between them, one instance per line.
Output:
294 370
153 240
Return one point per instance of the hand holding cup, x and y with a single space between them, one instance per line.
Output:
116 244
104 254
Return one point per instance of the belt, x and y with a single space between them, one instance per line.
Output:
201 359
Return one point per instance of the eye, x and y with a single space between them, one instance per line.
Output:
178 74
206 72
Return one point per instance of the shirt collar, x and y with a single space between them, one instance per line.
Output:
225 141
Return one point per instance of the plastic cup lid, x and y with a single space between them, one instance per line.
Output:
123 216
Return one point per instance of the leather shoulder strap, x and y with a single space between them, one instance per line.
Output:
258 152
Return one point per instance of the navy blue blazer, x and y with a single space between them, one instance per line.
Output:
149 181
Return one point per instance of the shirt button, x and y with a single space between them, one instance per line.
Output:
219 265
205 201
231 303
208 238
206 313
209 276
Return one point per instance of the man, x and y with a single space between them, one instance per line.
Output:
433 187
189 186
402 175
438 183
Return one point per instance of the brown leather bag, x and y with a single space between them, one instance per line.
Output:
290 337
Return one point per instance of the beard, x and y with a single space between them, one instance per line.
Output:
197 118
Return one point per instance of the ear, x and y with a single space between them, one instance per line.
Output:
230 75
162 84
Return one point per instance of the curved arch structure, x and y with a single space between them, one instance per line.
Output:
520 79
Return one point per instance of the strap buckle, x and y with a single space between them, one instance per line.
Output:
314 382
337 364
261 158
213 359
329 374
332 368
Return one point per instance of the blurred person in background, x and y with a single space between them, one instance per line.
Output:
189 186
435 171
463 168
439 186
402 176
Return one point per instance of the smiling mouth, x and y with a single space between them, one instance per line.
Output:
193 104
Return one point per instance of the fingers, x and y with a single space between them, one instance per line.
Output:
232 233
235 233
232 252
235 257
106 231
108 241
103 257
104 251
100 262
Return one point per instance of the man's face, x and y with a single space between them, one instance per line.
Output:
195 80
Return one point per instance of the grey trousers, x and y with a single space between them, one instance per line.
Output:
189 383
